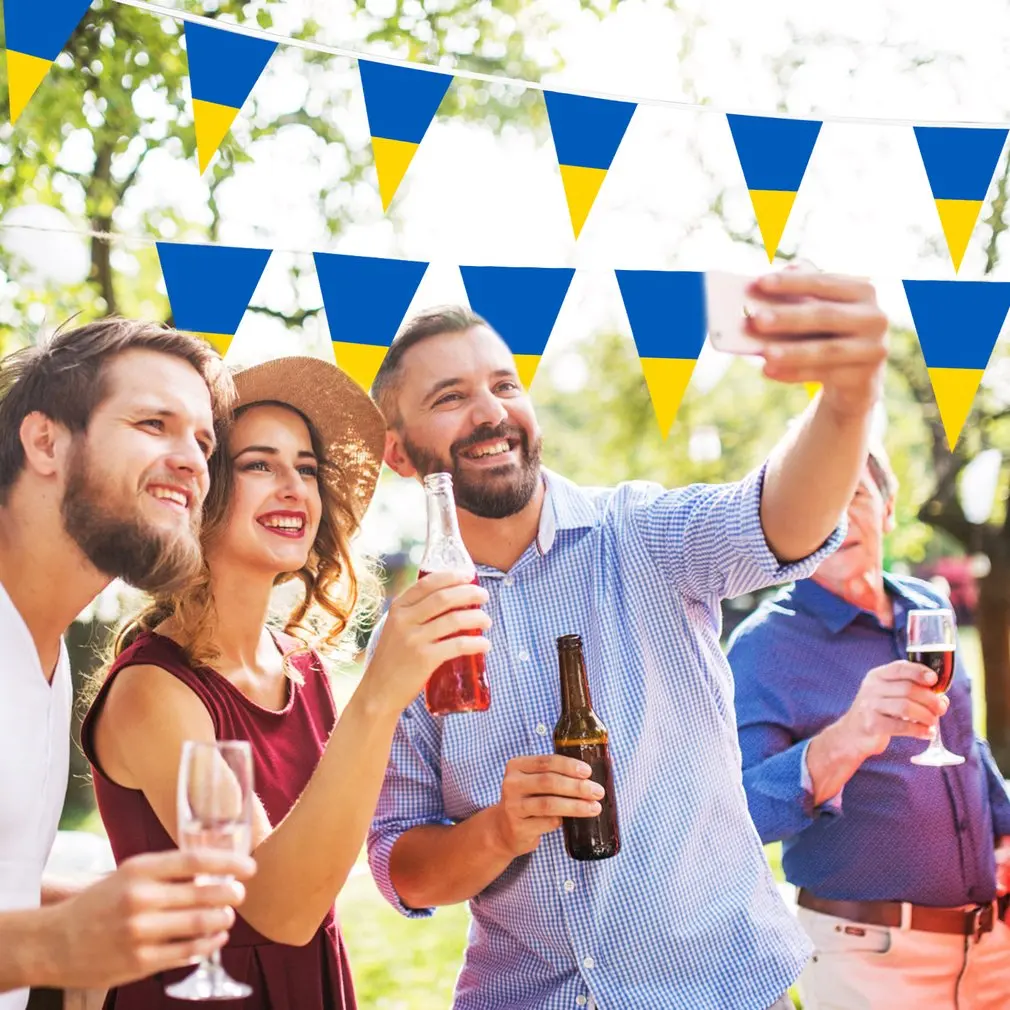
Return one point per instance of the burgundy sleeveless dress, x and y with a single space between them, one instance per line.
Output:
286 747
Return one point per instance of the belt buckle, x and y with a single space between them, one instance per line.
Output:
981 921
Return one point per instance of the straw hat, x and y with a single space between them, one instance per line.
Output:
352 430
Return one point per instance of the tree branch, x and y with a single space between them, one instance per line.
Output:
290 318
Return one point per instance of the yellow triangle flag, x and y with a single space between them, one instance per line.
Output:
667 379
811 388
219 341
392 159
955 390
772 208
212 122
360 361
958 218
24 75
526 366
581 188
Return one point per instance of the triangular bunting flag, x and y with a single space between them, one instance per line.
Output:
773 154
666 310
365 299
959 163
36 33
522 305
587 133
958 324
223 68
400 103
210 286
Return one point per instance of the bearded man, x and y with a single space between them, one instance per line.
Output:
105 432
687 915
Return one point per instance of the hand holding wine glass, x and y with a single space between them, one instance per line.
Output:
215 803
931 642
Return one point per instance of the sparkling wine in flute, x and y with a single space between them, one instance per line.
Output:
214 811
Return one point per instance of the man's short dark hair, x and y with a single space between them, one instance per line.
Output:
430 323
65 376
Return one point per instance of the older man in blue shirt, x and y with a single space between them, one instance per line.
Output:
902 869
686 916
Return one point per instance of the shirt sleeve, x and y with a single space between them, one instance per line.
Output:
411 793
709 540
999 793
775 774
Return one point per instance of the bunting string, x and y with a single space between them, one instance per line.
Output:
517 82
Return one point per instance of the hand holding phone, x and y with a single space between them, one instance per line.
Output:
730 300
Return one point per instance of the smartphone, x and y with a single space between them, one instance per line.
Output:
729 301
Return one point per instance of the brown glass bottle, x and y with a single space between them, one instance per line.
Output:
579 734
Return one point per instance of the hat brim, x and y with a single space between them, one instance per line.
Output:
350 426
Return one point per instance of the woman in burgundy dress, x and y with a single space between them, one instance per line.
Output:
290 483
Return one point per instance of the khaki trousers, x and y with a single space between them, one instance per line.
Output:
861 967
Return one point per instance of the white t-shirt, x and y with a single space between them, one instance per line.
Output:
35 733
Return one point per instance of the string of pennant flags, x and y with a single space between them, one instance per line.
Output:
401 99
365 298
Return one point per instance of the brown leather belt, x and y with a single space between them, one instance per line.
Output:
962 922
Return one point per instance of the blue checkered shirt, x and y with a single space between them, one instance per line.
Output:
897 831
687 915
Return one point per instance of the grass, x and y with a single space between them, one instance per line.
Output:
398 963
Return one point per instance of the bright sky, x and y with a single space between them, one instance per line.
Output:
472 196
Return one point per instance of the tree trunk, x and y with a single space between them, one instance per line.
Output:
993 622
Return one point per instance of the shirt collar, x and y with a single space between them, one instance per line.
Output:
566 507
837 614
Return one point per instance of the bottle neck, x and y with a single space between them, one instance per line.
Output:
443 524
574 680
444 547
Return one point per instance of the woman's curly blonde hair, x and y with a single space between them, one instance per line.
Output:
340 588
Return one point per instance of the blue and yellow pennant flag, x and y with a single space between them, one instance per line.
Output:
587 133
958 324
210 286
773 154
666 310
522 305
36 30
959 163
223 68
365 299
400 103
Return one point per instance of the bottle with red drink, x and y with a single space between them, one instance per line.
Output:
460 684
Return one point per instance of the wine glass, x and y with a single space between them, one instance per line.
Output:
931 641
214 809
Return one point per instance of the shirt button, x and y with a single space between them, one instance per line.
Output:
580 1000
588 962
541 729
508 580
523 655
569 887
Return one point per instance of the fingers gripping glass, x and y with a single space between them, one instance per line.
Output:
214 812
932 641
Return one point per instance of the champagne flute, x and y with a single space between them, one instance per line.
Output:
214 809
931 641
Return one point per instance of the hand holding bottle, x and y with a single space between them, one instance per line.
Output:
436 621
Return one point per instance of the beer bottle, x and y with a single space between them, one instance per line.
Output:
460 684
580 734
